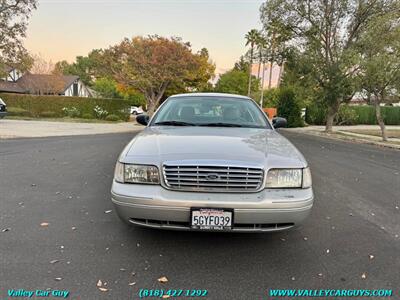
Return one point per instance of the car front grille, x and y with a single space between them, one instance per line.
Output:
212 178
235 227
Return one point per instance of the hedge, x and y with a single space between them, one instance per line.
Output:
365 115
42 106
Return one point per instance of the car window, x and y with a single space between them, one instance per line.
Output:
210 110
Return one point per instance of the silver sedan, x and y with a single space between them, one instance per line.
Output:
212 162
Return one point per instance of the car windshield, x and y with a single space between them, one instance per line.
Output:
210 111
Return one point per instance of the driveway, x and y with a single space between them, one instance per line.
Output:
351 240
22 128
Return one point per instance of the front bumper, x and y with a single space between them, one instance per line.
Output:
267 210
3 114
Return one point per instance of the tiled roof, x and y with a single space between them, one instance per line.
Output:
39 84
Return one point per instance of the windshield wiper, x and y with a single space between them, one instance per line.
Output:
221 125
174 123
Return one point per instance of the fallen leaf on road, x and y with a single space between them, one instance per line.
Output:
137 245
163 279
397 207
44 224
133 273
5 229
305 238
58 279
73 228
350 214
320 274
57 193
132 283
54 261
33 184
107 211
327 251
122 270
282 239
371 256
293 278
103 289
363 276
99 283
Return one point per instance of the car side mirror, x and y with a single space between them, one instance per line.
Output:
279 122
143 119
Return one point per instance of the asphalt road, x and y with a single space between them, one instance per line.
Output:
65 181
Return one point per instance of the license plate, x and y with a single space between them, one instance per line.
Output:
211 218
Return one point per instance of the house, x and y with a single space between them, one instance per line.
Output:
42 84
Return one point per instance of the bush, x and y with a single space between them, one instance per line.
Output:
71 112
36 105
289 108
316 115
17 111
48 114
87 116
99 112
112 118
346 116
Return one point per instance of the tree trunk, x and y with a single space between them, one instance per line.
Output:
380 119
270 75
331 114
259 65
280 73
262 86
250 68
151 106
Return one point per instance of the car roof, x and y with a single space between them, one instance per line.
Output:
211 95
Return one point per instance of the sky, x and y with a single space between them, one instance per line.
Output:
64 29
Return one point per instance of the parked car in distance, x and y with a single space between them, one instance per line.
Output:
213 162
3 109
135 110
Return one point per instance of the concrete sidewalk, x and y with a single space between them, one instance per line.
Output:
343 133
26 129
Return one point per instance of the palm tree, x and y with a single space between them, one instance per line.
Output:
251 39
261 46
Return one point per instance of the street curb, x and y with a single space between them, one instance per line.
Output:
341 136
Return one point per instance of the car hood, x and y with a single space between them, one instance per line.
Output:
219 145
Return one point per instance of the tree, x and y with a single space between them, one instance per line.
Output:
380 62
88 68
327 32
289 108
235 82
251 39
14 16
41 65
261 47
152 64
242 65
107 88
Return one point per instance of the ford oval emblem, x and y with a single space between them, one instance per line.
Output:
212 176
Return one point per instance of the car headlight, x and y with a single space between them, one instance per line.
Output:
126 173
288 178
